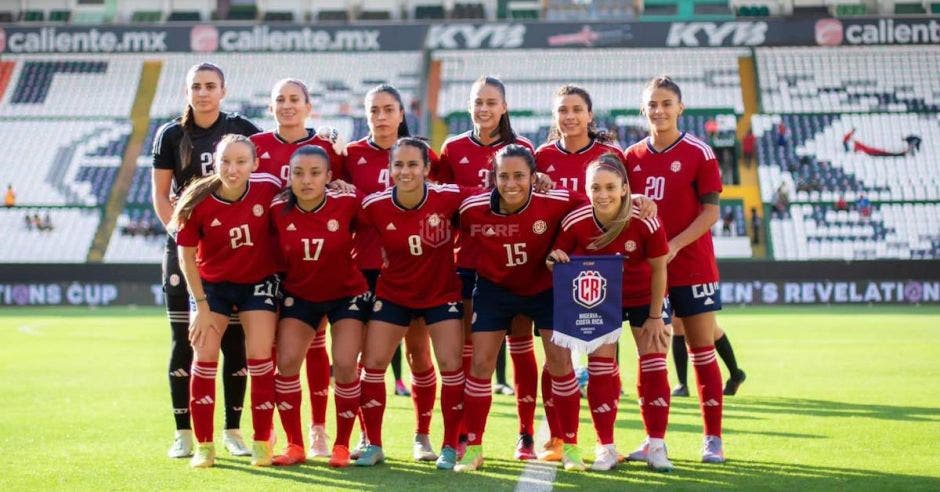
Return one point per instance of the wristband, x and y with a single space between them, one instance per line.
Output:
201 299
654 317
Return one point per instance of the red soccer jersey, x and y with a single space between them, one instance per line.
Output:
639 241
233 239
467 162
513 247
315 248
567 168
418 244
274 153
676 178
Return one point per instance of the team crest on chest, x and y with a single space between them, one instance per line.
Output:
435 230
675 167
332 225
590 288
539 227
630 246
258 210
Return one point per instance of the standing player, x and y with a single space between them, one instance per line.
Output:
314 229
680 356
367 167
290 105
227 258
182 152
513 230
680 173
418 281
573 143
610 226
466 160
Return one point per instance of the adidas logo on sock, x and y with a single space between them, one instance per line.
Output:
205 400
372 404
526 399
180 373
711 403
659 402
427 414
241 372
284 406
348 414
265 406
570 435
324 392
471 436
459 406
604 408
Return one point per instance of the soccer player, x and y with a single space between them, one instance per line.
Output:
367 167
680 173
182 152
418 281
466 160
513 230
226 256
680 356
573 143
290 105
611 226
314 229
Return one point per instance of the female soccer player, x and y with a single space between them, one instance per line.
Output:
680 173
418 281
315 238
610 226
290 105
367 167
513 230
466 160
226 256
182 152
723 346
573 143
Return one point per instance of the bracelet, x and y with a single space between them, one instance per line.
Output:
201 299
654 317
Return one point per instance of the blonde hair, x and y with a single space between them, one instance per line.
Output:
611 163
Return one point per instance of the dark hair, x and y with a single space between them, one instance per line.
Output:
187 121
291 81
504 128
515 150
415 142
663 82
392 91
305 151
611 162
572 90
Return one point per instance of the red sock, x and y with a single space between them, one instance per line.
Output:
525 380
708 376
202 399
262 397
653 388
467 356
318 377
477 400
452 389
548 402
372 403
423 394
567 398
602 396
346 397
287 395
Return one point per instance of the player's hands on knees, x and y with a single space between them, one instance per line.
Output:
556 256
338 141
646 205
341 186
656 334
543 183
200 327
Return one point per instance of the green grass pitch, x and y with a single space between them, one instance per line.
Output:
836 398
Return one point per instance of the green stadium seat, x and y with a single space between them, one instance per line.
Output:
146 16
333 15
429 12
375 15
276 16
242 12
184 16
60 15
34 16
909 8
6 16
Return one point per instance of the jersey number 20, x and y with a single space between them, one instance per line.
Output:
655 185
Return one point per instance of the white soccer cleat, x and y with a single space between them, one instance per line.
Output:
605 458
712 450
422 450
640 453
656 457
182 446
360 447
234 443
319 442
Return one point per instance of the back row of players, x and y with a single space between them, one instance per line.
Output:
381 267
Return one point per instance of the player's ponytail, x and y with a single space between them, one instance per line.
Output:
403 130
187 121
192 196
611 163
572 90
504 128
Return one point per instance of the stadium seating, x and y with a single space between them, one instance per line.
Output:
68 240
138 238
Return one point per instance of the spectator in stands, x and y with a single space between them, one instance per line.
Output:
781 202
29 222
841 204
913 144
864 206
755 226
727 222
781 136
47 222
9 200
748 146
711 130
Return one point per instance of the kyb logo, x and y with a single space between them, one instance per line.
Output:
717 34
455 36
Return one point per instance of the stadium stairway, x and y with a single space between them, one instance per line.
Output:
140 120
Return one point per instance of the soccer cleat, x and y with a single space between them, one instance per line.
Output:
552 450
502 389
641 453
571 458
360 447
605 458
734 382
233 442
319 441
656 458
471 461
182 444
680 390
204 457
525 447
261 453
371 456
422 450
293 455
401 389
340 456
712 450
581 374
447 459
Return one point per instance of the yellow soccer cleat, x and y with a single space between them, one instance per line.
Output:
261 453
204 456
